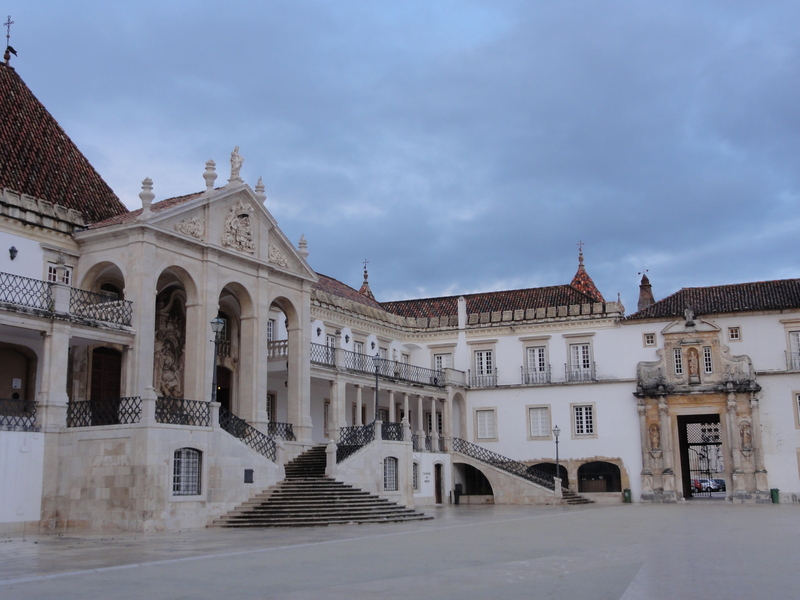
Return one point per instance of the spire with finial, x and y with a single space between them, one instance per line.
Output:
645 293
9 50
146 196
210 175
582 282
365 291
260 190
302 246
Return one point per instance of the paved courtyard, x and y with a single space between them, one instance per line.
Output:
690 550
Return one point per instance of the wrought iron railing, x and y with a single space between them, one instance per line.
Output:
283 431
483 380
17 414
100 307
388 369
352 439
442 444
503 463
582 374
392 432
792 361
179 411
323 355
241 429
355 361
531 377
113 411
415 443
278 349
428 443
24 291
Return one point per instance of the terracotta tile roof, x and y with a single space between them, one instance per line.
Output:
738 297
543 297
155 207
337 288
37 157
583 283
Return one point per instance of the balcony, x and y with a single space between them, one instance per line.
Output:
582 374
535 377
483 380
49 298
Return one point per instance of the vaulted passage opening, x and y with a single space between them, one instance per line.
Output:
599 476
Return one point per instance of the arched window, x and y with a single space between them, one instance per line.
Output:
390 474
186 472
599 476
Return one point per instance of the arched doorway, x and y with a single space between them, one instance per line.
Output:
224 388
599 476
438 481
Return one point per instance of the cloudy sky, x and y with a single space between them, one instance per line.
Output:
458 145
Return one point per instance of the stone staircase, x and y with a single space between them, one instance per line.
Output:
307 498
573 498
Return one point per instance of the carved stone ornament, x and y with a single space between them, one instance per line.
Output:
238 230
193 227
277 257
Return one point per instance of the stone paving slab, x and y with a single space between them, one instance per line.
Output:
629 552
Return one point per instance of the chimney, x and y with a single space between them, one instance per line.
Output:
645 293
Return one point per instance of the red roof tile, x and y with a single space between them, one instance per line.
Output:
337 288
583 283
37 157
781 294
155 207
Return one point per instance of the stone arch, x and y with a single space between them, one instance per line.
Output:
105 276
19 363
549 469
474 482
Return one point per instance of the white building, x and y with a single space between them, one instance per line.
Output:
107 419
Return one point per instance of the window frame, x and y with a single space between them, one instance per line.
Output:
574 408
649 344
549 430
708 360
391 472
415 476
487 410
187 477
735 333
677 361
796 402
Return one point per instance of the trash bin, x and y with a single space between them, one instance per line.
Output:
774 492
626 496
457 493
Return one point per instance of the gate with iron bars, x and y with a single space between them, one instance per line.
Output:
702 462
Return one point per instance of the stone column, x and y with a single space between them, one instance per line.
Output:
434 426
406 416
391 407
246 385
762 485
52 397
668 475
299 383
647 472
333 416
358 405
420 422
447 418
733 441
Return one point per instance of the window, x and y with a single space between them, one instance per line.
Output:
583 419
486 422
415 475
383 415
271 400
581 367
442 361
358 347
52 274
734 334
677 356
794 351
438 422
483 362
649 339
330 341
383 353
271 324
186 472
708 365
390 474
539 421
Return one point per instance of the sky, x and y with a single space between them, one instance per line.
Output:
459 146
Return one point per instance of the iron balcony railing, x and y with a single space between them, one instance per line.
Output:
580 374
100 307
792 361
179 411
23 291
415 443
355 361
392 432
428 443
241 429
532 377
19 415
283 431
323 355
352 439
442 444
483 380
509 465
111 411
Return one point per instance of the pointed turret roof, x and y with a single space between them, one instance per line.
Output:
364 290
583 283
37 157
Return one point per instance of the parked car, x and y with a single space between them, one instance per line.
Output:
696 485
708 485
720 484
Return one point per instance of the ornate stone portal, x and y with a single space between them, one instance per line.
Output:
170 343
696 379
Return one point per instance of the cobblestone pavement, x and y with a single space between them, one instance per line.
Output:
689 550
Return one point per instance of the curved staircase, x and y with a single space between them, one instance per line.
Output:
307 498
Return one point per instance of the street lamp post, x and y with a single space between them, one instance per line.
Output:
217 325
376 361
556 433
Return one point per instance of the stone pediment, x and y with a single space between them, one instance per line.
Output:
233 219
688 328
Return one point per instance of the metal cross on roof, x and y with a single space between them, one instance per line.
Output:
8 25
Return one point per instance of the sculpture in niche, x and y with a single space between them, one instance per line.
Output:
193 227
277 257
238 230
170 344
746 433
236 163
655 436
693 359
